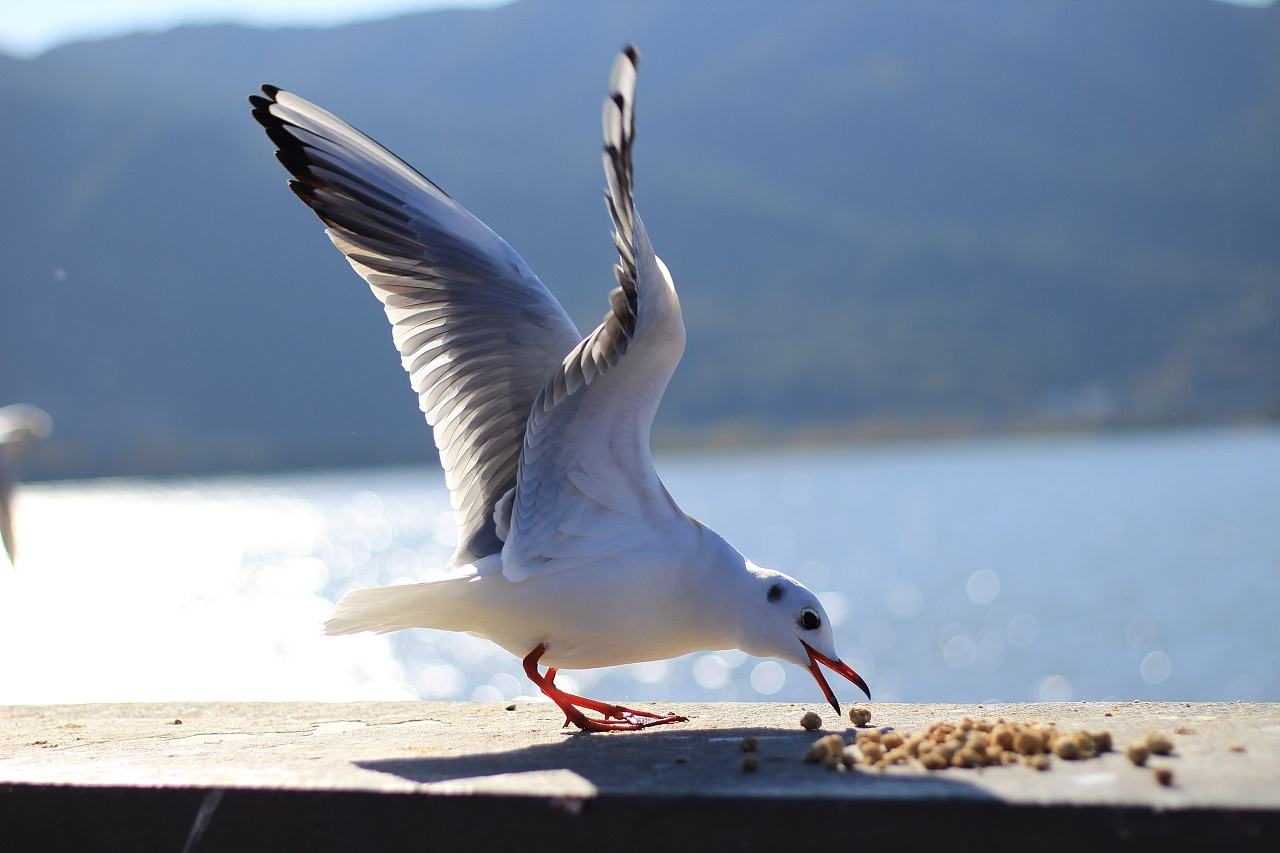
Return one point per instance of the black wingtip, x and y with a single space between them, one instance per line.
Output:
632 53
270 91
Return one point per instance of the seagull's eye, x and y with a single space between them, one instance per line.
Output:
775 592
809 620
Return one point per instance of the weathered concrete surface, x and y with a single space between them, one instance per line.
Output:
465 749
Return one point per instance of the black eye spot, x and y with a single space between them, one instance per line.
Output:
775 592
809 620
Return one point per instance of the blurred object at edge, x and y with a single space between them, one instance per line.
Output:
20 425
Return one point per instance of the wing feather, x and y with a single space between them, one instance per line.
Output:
587 490
477 332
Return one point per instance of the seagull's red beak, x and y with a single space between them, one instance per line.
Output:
816 657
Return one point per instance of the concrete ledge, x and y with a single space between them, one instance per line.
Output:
436 775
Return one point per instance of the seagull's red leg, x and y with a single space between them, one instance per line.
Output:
621 712
551 679
616 712
626 719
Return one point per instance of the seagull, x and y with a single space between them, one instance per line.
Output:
20 424
571 552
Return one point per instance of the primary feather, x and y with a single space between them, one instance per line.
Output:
477 332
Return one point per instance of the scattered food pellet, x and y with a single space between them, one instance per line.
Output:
1184 730
966 743
810 721
859 716
1159 743
177 722
871 751
1028 743
824 748
682 759
750 762
749 744
510 707
1107 714
1236 747
1164 776
1138 753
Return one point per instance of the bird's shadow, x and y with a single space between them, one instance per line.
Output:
670 761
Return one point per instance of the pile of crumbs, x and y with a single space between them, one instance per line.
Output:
966 743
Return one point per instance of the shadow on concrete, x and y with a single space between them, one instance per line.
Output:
672 762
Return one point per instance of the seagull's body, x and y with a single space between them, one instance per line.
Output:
660 601
571 552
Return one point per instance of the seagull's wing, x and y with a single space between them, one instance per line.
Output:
477 332
23 422
587 490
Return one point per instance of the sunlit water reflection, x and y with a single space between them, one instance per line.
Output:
1134 566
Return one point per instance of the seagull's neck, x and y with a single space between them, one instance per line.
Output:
726 580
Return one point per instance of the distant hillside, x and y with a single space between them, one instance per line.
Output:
881 216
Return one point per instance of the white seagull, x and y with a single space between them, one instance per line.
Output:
571 553
20 424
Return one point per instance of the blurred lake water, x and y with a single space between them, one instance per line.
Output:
1113 567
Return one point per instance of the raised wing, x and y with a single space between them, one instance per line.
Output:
477 332
587 489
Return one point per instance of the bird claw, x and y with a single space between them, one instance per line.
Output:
615 718
632 724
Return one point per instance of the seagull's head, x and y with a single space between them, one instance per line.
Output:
784 619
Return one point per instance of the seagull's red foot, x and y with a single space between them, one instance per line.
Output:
617 718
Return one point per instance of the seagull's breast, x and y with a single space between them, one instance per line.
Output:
630 607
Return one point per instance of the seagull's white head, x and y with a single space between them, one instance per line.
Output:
783 619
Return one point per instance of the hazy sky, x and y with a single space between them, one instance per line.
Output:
28 27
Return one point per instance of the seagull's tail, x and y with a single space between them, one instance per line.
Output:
388 608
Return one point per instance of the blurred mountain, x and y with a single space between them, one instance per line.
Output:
883 217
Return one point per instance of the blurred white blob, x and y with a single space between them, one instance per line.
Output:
983 586
1053 688
439 681
1156 668
649 672
486 693
990 647
1022 630
836 605
710 672
1141 633
917 528
814 573
507 685
796 490
768 677
905 600
879 636
960 651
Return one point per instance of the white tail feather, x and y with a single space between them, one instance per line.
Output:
383 609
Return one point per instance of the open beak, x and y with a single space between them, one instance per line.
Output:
816 657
